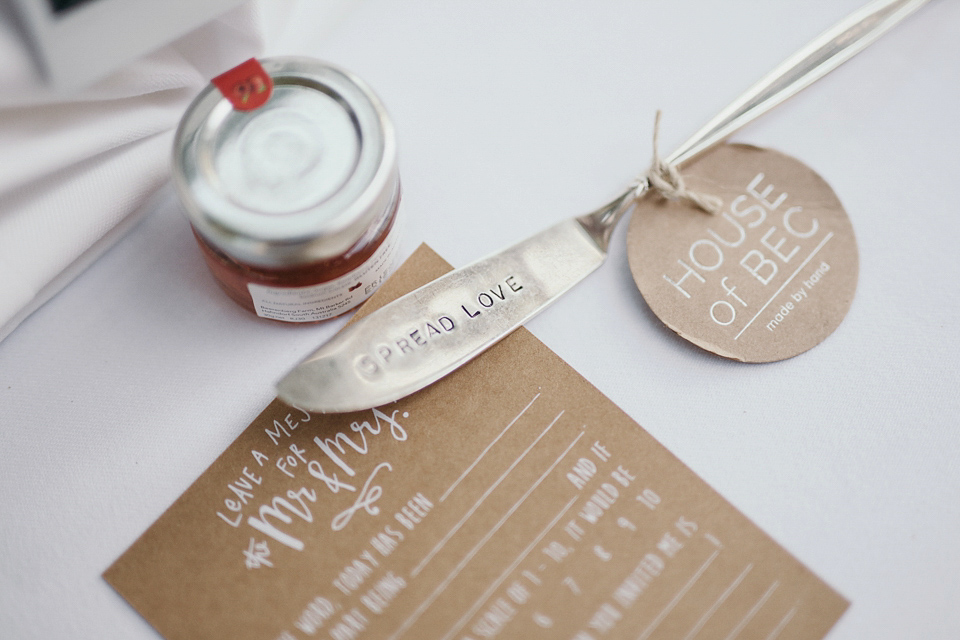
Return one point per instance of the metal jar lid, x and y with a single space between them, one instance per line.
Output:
300 179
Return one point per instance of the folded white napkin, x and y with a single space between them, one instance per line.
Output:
76 171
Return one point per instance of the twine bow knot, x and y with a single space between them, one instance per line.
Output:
665 179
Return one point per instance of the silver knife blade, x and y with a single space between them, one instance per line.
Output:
424 335
421 337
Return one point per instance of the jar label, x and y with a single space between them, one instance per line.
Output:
329 299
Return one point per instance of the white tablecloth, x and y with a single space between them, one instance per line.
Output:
513 114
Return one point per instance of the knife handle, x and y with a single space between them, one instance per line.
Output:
822 55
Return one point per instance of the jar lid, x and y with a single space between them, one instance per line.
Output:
297 180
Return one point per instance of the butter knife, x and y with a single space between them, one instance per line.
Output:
428 333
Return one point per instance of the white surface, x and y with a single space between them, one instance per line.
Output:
118 393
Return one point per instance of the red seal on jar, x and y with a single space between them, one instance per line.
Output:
247 86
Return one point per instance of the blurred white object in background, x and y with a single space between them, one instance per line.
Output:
77 166
76 42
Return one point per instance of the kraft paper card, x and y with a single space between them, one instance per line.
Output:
509 500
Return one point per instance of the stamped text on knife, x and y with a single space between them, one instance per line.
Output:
414 339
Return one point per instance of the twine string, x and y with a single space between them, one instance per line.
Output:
665 179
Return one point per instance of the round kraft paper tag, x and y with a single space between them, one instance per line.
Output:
768 277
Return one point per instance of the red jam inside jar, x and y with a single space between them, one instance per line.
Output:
235 277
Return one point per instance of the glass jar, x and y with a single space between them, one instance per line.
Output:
294 204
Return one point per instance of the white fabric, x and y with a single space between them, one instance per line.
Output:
73 168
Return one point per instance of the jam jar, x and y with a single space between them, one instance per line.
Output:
293 203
